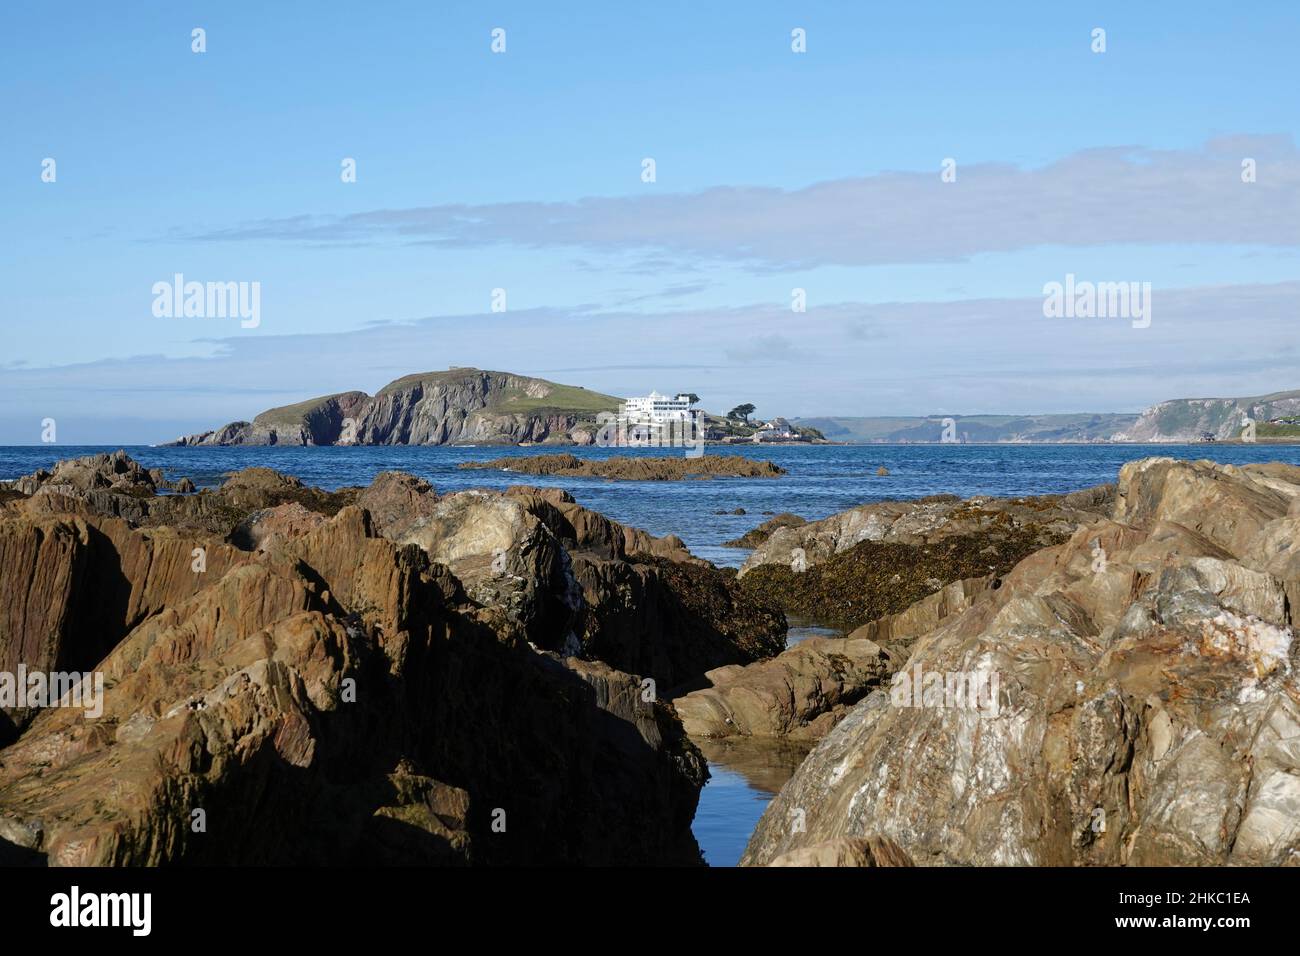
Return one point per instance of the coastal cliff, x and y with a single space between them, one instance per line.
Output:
462 405
1193 419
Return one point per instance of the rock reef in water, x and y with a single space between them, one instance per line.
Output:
628 468
877 559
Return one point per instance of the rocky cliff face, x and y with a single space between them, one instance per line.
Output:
434 408
1145 709
379 675
1188 419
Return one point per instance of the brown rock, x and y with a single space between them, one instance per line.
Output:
264 528
799 694
756 536
326 704
396 500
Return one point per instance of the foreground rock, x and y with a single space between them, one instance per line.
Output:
847 851
625 468
570 580
804 692
114 485
757 536
110 483
1144 713
567 579
335 699
368 675
800 694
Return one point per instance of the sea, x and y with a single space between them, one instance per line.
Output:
821 480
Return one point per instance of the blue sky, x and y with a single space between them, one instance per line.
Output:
522 171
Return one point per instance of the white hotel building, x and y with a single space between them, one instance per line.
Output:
656 409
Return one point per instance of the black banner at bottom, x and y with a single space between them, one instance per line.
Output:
334 906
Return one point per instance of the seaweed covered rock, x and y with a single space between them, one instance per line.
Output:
1048 519
873 579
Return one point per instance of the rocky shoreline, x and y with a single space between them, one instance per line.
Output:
386 674
370 675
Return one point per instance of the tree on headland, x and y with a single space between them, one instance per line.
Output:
742 412
692 398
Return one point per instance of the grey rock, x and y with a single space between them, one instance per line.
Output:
1146 708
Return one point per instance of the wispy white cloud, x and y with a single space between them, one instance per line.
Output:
1094 197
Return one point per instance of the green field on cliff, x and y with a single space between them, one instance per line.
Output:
562 398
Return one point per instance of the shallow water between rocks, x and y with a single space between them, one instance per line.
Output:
744 775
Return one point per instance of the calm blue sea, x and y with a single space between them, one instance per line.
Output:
822 480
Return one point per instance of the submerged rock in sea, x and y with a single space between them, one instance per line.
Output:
628 468
1141 707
